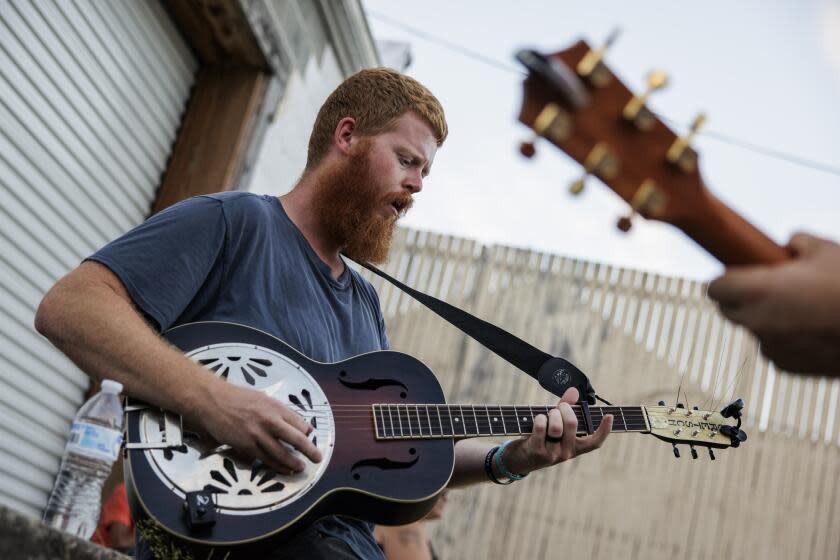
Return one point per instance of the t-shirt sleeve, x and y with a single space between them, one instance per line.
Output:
166 260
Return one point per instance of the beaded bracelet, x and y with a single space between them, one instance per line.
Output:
501 466
488 468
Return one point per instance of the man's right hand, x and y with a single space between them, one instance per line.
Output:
257 426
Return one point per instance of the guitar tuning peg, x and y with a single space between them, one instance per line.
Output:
711 454
733 409
527 148
553 123
681 153
625 223
676 451
648 198
636 109
591 66
599 161
693 452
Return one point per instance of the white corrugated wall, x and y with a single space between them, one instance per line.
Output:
91 98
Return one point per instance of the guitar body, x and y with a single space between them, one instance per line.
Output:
387 482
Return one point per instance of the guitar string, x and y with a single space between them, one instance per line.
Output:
711 398
732 384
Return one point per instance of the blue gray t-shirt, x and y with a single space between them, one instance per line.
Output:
238 257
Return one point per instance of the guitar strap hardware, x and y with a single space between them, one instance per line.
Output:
200 510
553 374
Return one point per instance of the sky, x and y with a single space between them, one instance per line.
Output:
766 72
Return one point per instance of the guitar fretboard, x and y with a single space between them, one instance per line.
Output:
415 421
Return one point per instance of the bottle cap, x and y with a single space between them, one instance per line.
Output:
111 386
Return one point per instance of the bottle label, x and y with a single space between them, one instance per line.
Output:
97 442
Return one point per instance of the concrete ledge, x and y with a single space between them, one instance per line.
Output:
25 538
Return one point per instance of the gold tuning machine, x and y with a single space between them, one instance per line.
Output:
553 123
592 67
648 199
600 161
681 153
636 109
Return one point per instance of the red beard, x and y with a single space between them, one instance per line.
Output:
349 207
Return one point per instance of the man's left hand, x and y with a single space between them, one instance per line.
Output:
562 442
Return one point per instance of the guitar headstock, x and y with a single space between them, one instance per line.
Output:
572 99
679 425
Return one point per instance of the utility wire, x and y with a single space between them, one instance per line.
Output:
724 138
469 53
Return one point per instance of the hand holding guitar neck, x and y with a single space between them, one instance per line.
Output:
793 309
573 100
554 438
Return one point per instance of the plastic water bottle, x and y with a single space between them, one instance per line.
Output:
95 440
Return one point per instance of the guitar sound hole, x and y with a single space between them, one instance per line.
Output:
219 477
213 488
296 401
231 469
276 487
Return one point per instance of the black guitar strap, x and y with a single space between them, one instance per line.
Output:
554 374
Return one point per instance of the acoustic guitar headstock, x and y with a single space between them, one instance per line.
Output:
576 102
697 428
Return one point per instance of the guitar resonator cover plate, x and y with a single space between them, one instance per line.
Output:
240 486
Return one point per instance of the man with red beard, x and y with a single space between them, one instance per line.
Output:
275 264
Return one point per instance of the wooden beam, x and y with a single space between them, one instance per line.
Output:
218 32
215 133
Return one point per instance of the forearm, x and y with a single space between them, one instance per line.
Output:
106 337
469 463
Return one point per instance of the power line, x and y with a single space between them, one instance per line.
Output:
469 53
498 65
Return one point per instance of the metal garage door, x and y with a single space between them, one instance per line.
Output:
91 97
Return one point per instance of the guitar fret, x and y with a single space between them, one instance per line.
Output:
460 420
411 428
437 408
518 425
451 430
499 419
399 419
419 421
489 422
391 419
379 421
429 420
475 416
